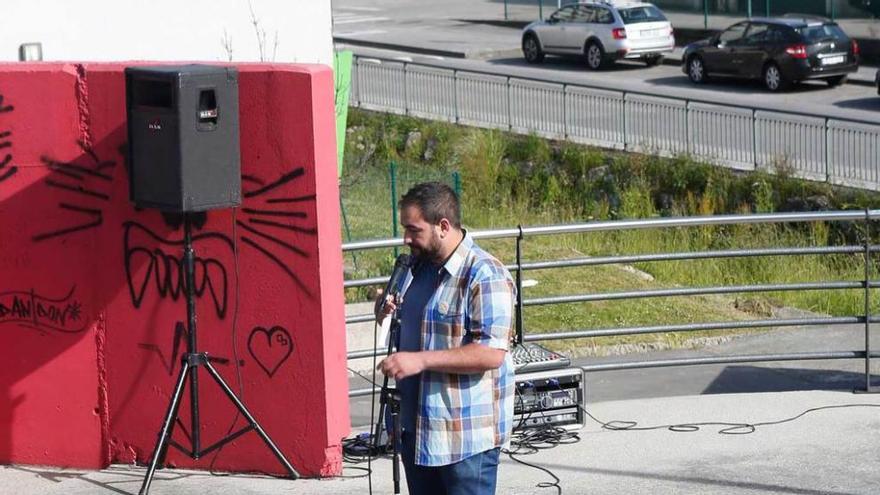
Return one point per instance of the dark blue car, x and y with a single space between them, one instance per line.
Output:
778 51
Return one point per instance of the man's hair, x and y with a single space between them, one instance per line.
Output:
436 201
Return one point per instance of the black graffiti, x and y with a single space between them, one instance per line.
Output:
80 173
284 179
263 241
5 142
177 342
27 308
270 348
91 212
166 271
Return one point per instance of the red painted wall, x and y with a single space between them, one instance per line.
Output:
91 295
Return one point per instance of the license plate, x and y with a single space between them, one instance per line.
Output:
650 33
839 59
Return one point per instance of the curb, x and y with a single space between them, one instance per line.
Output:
401 48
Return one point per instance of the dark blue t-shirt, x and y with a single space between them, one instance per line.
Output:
426 277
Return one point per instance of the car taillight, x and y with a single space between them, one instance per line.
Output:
797 51
855 47
619 33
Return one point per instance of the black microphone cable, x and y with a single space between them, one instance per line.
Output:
236 361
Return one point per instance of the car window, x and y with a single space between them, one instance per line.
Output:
603 16
776 35
733 33
584 13
821 32
757 34
644 13
565 14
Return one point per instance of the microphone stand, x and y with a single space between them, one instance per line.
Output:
389 398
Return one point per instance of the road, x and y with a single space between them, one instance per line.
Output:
471 29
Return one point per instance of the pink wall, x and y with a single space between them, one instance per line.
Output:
87 373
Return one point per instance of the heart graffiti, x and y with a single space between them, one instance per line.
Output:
270 348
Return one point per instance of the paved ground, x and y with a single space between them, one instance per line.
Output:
831 451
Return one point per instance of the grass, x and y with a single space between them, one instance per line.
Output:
510 180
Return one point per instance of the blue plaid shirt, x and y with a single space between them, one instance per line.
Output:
460 415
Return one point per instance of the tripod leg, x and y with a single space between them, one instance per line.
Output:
253 422
175 418
162 444
395 458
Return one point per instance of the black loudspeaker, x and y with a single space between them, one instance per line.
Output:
183 137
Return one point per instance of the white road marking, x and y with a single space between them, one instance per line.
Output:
360 19
362 9
361 33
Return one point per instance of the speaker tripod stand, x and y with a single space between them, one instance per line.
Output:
190 364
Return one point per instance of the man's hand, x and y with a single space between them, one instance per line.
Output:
384 307
401 365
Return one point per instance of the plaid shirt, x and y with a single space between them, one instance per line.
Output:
460 415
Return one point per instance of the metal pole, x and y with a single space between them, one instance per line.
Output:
190 277
505 10
456 186
405 92
766 8
705 14
347 229
749 9
519 287
867 300
392 171
541 9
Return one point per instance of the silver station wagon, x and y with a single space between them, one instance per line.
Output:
602 32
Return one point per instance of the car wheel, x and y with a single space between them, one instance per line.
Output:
532 49
595 55
835 81
696 70
653 60
773 78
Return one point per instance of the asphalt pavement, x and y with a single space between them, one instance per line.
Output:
479 29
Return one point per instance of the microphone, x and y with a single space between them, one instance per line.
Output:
401 266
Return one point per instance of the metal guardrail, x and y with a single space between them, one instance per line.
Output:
519 234
837 150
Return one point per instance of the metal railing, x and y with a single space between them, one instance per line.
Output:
816 146
520 234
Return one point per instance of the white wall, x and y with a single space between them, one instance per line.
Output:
178 30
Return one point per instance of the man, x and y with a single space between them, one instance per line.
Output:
453 370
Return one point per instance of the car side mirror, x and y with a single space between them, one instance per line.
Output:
552 19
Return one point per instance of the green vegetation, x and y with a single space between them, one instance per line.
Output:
511 179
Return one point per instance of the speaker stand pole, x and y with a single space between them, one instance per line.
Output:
190 364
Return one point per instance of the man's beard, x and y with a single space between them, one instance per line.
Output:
429 253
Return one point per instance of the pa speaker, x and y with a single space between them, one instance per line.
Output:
183 137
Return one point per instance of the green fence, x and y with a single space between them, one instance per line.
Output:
369 200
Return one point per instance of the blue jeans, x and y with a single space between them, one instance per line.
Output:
475 475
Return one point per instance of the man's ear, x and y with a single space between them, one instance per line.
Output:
445 227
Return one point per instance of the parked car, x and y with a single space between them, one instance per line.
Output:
779 51
601 32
